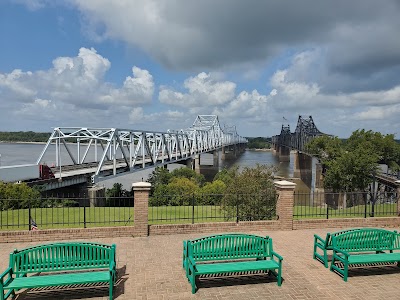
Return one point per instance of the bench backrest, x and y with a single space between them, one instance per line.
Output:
230 246
328 240
367 239
62 257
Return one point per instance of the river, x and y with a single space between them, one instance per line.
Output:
27 153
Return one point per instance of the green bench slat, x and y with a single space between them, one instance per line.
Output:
59 279
52 259
229 253
236 266
374 258
350 248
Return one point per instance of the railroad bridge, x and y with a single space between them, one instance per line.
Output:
282 144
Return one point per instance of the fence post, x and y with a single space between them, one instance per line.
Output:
141 192
398 200
285 203
193 208
29 215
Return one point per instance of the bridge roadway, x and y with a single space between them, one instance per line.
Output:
102 153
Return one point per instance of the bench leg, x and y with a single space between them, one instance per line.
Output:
111 291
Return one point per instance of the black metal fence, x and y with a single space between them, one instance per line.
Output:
199 208
344 205
65 212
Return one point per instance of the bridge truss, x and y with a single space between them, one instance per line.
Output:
305 131
105 152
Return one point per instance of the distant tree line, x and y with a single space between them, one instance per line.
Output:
24 136
259 143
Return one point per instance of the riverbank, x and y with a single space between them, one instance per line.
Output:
21 142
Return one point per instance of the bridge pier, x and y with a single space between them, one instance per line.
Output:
284 154
303 168
97 196
196 163
215 158
319 179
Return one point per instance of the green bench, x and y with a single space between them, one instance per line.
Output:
58 260
230 253
363 247
325 245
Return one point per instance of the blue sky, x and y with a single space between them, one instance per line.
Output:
156 65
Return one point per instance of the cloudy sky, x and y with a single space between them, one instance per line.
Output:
157 64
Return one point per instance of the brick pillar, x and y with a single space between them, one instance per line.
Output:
284 205
141 192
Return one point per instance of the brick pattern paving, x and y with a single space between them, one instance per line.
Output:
151 268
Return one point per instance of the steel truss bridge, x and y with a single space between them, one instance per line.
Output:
305 131
102 153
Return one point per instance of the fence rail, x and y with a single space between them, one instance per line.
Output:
212 208
65 212
344 205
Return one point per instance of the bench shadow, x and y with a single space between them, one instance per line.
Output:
234 279
76 291
373 269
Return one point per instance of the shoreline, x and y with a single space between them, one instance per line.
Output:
20 142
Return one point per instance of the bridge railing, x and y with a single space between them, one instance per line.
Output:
324 205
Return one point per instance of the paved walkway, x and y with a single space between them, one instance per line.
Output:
150 268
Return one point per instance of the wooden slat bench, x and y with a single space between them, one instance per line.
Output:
96 263
325 245
362 247
229 253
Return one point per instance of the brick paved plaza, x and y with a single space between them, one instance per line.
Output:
151 268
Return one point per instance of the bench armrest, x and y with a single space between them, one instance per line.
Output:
113 271
337 251
317 239
8 272
274 254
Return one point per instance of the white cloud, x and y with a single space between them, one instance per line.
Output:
163 119
75 84
203 90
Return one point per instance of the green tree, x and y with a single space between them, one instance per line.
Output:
227 175
351 171
159 176
189 174
179 191
211 193
325 148
251 194
18 195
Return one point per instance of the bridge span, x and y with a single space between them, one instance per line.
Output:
94 154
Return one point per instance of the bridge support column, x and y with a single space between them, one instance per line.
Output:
284 205
215 158
319 181
141 192
97 196
284 154
223 153
296 165
189 163
305 168
196 164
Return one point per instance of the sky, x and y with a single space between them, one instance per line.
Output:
157 64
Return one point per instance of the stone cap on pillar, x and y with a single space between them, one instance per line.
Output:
284 184
141 186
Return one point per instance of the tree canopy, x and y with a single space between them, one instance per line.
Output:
349 164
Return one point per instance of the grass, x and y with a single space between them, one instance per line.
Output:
313 212
79 217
